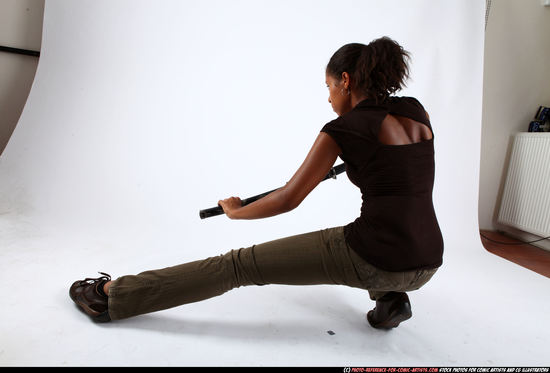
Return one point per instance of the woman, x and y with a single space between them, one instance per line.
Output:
395 245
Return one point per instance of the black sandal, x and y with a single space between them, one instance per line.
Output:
88 294
392 309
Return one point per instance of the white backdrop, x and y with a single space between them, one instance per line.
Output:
142 113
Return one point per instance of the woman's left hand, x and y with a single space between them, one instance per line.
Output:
230 206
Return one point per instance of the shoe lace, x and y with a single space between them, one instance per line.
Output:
89 280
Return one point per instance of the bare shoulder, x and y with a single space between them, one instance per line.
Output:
400 130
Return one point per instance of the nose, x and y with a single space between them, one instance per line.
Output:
330 102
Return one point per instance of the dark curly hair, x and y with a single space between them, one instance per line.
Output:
377 70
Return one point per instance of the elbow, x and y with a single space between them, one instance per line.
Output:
289 206
289 198
289 203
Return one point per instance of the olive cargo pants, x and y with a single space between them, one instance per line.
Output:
314 258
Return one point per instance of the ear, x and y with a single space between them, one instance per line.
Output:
345 80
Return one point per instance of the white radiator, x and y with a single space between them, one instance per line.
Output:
526 197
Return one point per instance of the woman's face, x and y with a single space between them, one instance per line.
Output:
338 93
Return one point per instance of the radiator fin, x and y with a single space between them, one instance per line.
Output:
526 198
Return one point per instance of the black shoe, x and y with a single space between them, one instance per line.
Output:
390 311
89 295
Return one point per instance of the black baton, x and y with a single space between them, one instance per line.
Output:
218 210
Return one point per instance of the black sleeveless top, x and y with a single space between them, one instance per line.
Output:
397 229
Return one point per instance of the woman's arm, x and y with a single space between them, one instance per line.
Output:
313 170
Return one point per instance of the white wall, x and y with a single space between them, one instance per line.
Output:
20 27
516 77
155 114
516 82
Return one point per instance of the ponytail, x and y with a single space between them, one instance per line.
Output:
376 70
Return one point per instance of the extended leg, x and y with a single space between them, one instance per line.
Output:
312 258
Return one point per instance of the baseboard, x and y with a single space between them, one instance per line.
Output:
524 236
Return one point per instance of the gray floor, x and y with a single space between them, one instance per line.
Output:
478 310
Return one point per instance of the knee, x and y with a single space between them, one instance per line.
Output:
243 267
